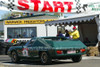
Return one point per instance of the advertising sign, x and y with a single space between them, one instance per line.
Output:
15 22
95 7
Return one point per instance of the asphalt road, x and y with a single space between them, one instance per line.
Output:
86 62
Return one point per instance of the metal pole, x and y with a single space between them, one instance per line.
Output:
46 30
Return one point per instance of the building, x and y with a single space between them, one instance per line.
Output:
1 30
27 27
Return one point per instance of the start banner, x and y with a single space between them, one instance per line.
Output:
56 6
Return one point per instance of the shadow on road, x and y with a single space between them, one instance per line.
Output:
38 62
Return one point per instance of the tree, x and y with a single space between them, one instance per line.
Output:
5 14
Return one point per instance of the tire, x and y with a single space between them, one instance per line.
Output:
77 58
45 58
14 57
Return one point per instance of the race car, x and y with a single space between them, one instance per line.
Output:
47 48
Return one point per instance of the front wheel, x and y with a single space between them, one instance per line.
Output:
45 58
77 58
14 57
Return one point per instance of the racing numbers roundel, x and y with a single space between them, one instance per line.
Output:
25 51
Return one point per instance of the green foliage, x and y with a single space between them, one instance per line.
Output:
6 15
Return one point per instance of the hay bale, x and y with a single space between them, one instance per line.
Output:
92 51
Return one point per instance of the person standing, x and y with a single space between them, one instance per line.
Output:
75 33
15 35
24 34
67 34
32 34
60 34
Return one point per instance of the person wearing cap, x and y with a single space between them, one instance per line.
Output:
75 33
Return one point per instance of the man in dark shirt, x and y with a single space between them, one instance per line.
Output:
60 34
67 34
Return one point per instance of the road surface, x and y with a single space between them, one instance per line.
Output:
86 62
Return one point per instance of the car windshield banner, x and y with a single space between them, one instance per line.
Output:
56 6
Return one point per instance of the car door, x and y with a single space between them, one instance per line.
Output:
33 52
20 48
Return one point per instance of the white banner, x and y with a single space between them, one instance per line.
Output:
56 6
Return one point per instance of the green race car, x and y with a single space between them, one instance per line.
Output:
47 48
